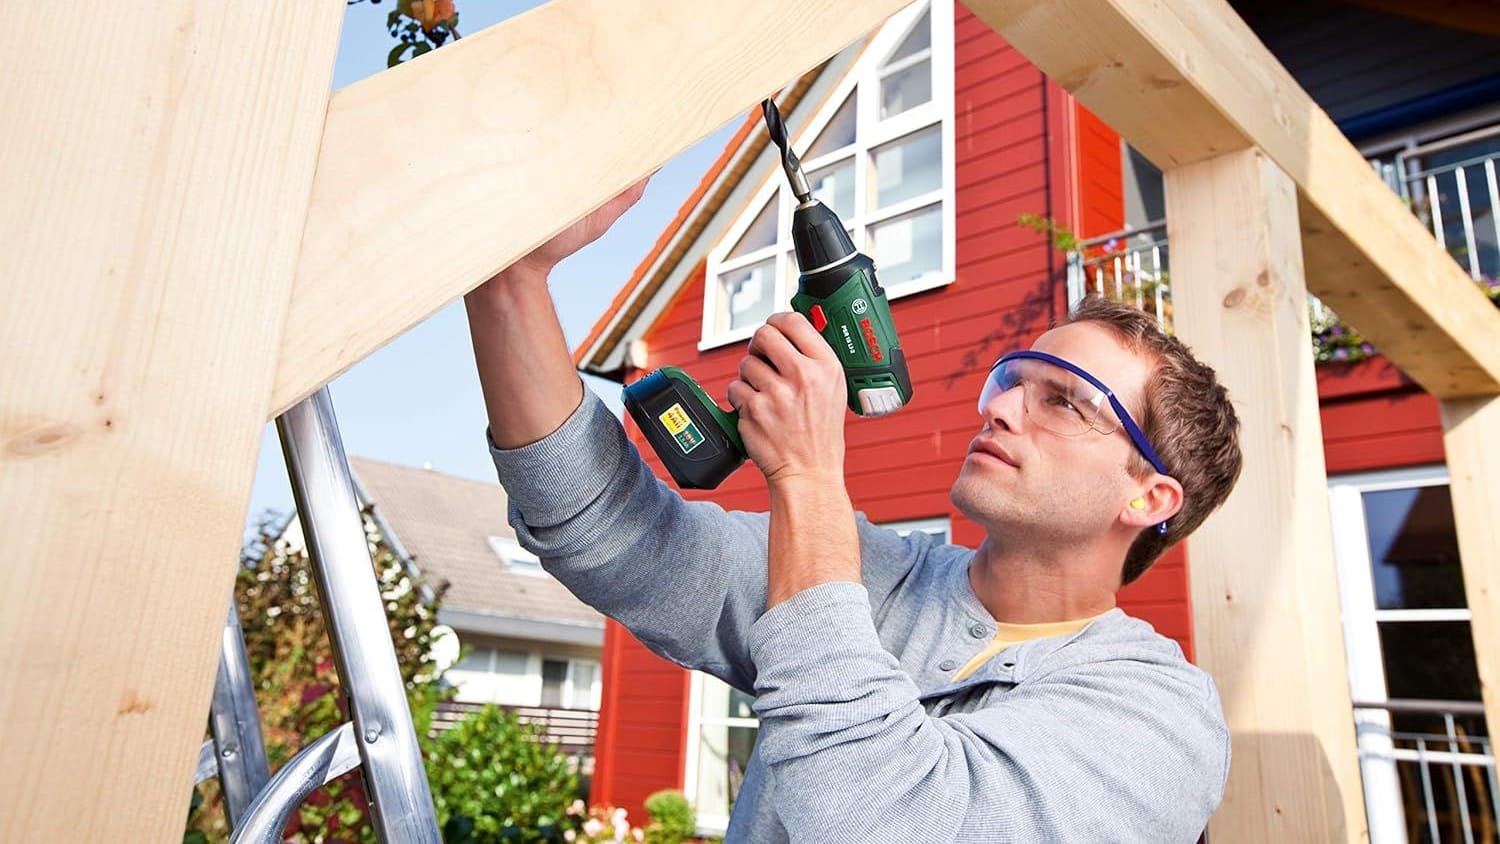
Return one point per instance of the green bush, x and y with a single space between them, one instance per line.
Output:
493 779
672 818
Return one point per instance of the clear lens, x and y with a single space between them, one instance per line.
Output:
1055 398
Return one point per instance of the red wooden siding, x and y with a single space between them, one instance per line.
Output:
1376 418
641 740
1101 200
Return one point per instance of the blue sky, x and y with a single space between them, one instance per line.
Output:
417 400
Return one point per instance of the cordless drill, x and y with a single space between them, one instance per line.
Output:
700 442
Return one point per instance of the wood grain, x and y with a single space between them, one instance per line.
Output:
157 171
1470 427
1264 587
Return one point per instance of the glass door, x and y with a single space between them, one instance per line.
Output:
1425 755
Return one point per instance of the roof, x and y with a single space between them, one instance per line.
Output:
444 524
601 353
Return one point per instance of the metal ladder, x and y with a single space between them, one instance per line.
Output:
380 740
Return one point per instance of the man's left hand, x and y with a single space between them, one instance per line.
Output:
791 398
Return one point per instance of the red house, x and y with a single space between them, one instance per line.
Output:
933 140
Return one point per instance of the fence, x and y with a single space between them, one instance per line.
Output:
573 730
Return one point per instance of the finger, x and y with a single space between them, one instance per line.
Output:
637 190
756 373
804 338
738 393
621 202
771 344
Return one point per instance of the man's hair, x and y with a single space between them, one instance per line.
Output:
1187 418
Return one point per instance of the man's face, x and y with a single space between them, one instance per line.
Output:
1021 479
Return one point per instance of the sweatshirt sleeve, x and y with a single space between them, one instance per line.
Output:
1121 751
686 578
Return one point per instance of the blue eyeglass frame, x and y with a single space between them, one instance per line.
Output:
1132 430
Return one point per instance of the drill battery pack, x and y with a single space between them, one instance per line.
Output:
698 442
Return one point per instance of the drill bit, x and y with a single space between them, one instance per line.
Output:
789 161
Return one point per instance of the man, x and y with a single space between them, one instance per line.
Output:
907 691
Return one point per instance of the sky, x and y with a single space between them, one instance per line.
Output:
416 401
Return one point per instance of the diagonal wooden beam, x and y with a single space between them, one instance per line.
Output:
436 174
1185 81
157 171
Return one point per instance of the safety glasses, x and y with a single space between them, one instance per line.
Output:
1063 398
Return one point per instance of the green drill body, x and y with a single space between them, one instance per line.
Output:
837 291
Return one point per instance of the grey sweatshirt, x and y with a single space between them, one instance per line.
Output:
1107 734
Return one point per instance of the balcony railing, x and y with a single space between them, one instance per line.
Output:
1452 186
572 730
1127 266
1429 771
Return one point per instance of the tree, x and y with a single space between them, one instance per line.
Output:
420 26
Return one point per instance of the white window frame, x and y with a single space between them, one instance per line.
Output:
576 697
573 697
1351 550
709 824
927 525
716 825
870 132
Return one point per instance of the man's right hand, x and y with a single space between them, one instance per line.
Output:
525 368
540 261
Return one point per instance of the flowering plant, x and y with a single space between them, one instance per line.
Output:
1491 288
600 824
1335 340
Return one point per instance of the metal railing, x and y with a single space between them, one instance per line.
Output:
572 730
1447 781
1453 201
1127 266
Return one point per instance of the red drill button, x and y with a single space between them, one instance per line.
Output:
819 319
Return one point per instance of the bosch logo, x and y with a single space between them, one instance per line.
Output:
859 306
872 342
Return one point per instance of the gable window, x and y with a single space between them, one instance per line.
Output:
722 726
880 155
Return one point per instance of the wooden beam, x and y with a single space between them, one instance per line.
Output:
1265 592
1185 81
1469 430
157 171
438 173
1480 16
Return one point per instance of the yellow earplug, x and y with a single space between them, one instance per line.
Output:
1139 504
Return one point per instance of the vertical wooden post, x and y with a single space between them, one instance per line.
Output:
1470 431
1265 595
159 161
